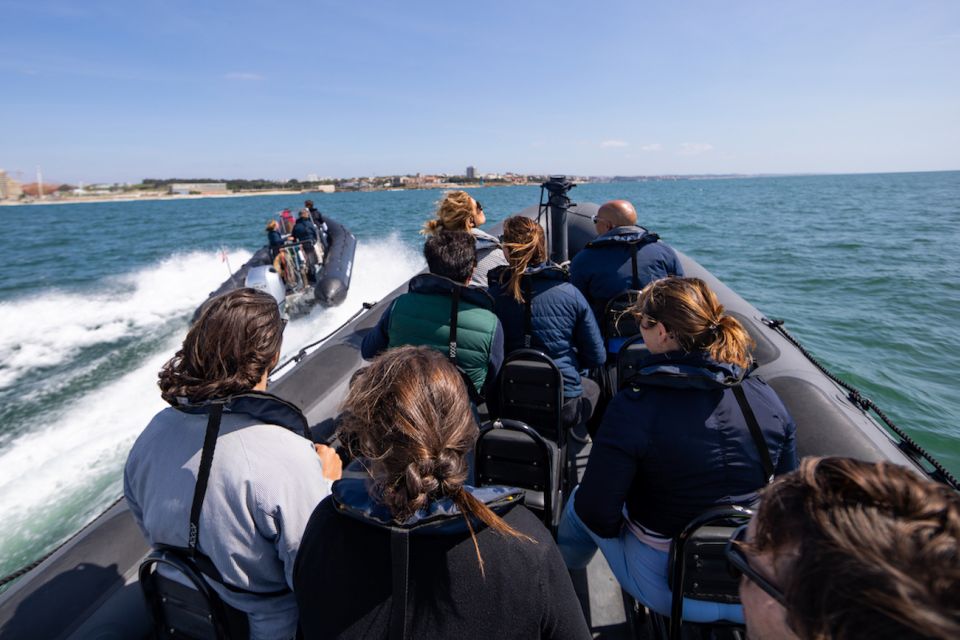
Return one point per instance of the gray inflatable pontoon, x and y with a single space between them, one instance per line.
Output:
88 588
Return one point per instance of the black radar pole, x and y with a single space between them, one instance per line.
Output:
558 201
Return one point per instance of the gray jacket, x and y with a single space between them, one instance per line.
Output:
489 255
264 483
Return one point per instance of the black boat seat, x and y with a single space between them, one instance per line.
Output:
628 360
531 391
618 325
511 453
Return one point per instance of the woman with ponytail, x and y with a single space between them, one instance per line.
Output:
477 563
560 324
460 212
675 443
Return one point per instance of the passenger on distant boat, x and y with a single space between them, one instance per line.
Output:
845 549
404 548
459 212
424 315
275 239
623 257
539 309
305 232
319 221
265 477
288 220
676 443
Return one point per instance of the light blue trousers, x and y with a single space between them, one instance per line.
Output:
640 570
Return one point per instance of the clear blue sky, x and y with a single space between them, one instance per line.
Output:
103 91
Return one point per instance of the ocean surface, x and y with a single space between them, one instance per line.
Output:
94 297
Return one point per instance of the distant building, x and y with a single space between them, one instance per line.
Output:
312 177
10 189
324 188
471 173
203 188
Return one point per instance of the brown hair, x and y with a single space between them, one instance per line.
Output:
227 350
273 225
691 312
877 550
456 212
409 415
526 244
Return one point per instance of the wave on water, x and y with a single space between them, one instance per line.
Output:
62 455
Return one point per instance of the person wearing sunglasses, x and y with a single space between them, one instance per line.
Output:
846 549
457 211
606 267
675 443
242 513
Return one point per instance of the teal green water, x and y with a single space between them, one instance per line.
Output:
94 297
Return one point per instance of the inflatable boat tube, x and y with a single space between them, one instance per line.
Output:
334 281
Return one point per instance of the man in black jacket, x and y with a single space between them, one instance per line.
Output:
306 233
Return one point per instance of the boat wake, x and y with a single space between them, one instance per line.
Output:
78 382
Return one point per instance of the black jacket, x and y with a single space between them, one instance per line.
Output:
342 578
305 231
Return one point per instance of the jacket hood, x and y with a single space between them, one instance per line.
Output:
484 240
624 235
352 497
430 283
542 271
264 407
678 369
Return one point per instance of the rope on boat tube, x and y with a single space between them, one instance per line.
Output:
303 352
907 444
33 565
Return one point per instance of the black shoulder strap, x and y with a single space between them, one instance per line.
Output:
527 312
400 558
634 247
203 475
755 432
454 312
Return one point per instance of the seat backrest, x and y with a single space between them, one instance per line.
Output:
189 612
511 453
531 391
628 360
618 325
698 564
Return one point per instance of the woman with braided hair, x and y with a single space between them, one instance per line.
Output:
264 477
404 547
458 211
675 443
559 322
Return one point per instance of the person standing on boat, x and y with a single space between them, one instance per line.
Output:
288 220
846 549
265 478
623 257
405 547
305 232
424 315
459 212
675 443
319 221
559 322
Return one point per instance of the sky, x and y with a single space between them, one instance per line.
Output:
104 91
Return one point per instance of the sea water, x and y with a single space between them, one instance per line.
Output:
94 297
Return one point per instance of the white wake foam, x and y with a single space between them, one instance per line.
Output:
74 456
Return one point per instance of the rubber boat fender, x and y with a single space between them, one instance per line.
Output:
334 281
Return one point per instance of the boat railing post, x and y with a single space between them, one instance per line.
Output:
558 202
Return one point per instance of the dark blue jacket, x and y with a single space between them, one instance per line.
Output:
275 239
676 443
561 323
305 231
604 267
378 339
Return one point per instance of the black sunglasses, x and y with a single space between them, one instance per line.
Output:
479 206
739 565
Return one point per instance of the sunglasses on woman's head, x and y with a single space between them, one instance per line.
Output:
739 565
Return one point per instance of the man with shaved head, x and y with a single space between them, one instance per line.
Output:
623 256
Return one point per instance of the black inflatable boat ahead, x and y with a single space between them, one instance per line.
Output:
296 290
88 588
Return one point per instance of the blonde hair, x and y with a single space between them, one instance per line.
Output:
409 415
456 212
526 244
691 312
273 225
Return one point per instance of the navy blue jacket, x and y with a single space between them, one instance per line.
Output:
561 323
343 573
377 339
604 267
275 239
676 443
305 231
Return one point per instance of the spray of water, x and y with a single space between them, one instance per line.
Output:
66 465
